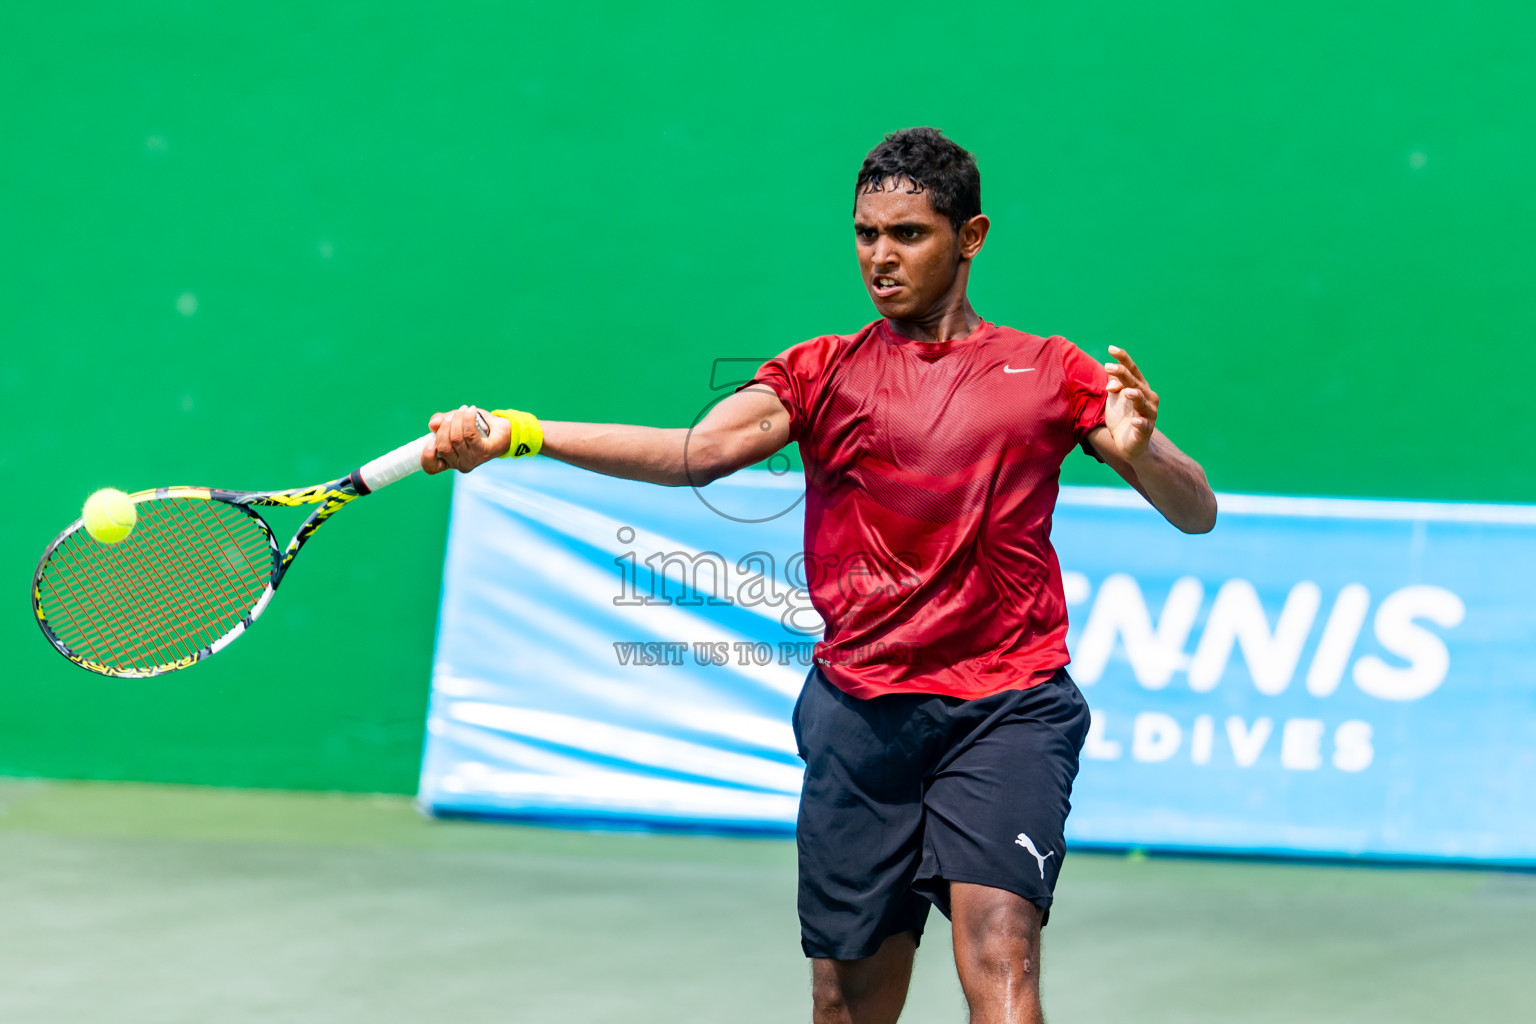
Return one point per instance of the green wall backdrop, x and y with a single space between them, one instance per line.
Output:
252 245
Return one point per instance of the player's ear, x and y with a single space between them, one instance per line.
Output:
973 234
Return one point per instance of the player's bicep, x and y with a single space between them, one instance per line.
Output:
743 429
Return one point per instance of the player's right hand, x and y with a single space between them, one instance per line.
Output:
458 444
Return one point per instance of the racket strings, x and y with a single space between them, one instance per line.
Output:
178 600
179 568
90 579
188 574
167 580
116 581
78 576
100 580
226 596
73 629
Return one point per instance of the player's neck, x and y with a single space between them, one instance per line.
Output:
948 321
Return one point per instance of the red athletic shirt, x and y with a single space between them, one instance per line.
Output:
931 475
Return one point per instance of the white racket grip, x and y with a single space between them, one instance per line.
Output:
394 466
403 461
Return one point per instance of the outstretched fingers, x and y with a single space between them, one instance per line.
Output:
1123 360
1127 380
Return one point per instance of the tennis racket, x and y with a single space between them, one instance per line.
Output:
199 567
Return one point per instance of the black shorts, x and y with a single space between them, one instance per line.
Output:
906 793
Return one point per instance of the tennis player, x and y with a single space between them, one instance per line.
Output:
939 727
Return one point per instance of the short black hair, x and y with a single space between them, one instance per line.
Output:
933 164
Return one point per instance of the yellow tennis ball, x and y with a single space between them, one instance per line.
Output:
109 516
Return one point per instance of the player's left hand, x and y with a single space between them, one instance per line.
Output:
1130 409
459 444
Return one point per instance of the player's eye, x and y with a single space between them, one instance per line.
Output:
910 233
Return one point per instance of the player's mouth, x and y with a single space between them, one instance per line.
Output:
884 286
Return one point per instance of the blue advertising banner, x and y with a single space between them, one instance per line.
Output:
1316 677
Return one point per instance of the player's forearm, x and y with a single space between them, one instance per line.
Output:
653 454
1175 484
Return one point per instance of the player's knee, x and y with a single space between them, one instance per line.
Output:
1006 960
1004 940
1008 954
830 998
858 990
829 1004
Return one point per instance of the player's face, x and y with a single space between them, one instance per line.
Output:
909 255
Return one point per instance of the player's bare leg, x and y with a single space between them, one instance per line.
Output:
997 953
868 991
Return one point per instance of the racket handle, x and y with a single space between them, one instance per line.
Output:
395 466
391 466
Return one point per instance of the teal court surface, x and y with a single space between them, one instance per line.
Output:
171 905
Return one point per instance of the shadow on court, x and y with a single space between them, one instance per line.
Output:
128 903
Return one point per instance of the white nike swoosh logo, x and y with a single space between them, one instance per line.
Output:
1009 369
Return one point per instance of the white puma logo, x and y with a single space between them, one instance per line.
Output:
1029 844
